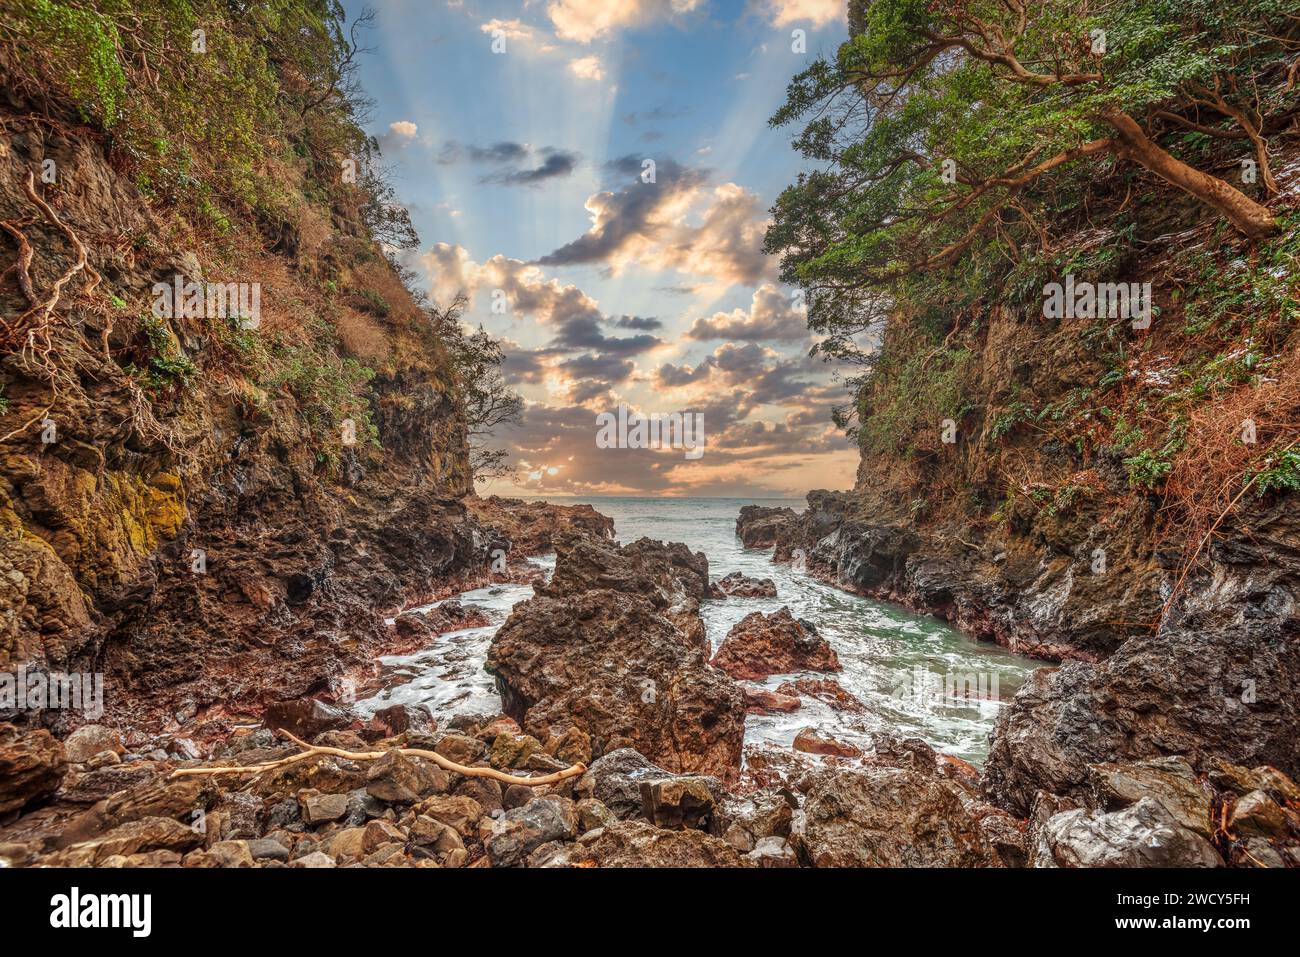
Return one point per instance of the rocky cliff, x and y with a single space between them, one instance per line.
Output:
1121 500
212 504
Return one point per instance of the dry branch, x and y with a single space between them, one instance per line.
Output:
315 750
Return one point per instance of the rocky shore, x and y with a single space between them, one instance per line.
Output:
606 673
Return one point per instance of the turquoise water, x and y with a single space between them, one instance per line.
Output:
914 674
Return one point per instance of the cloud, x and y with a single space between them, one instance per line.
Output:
587 68
772 316
649 224
583 21
555 164
403 130
817 13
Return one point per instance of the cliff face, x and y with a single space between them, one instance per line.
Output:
1120 499
209 509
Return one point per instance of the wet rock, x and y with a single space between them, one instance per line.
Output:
745 821
663 573
90 740
739 585
1144 835
519 832
810 742
1241 781
607 663
1177 692
757 526
1171 781
1256 852
1257 815
638 844
616 779
305 718
760 645
1007 837
400 718
32 766
763 701
889 817
676 803
823 689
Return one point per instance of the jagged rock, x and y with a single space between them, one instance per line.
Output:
740 585
638 844
663 573
460 748
1177 692
513 750
461 813
1171 781
400 779
536 527
889 817
745 821
593 814
757 525
146 834
90 740
32 766
823 689
760 645
616 779
773 852
810 742
1241 781
1257 815
763 701
519 832
305 718
607 663
318 808
676 803
378 833
1144 835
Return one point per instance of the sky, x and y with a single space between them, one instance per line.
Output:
597 176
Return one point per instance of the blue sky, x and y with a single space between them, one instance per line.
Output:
523 172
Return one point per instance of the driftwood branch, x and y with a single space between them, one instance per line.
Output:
316 750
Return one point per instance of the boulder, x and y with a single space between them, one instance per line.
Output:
1257 815
889 817
1144 835
827 690
32 766
609 664
401 779
760 645
1170 781
90 740
740 585
305 718
676 803
519 832
638 844
757 526
809 741
763 701
616 780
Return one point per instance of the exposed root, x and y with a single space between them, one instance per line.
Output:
314 750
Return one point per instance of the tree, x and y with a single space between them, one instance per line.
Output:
489 402
942 124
